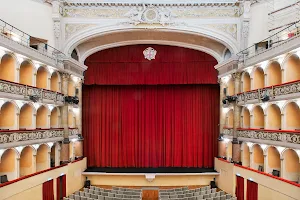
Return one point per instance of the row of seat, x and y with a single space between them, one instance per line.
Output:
184 189
195 194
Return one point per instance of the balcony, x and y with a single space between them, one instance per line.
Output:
272 137
228 132
276 92
23 92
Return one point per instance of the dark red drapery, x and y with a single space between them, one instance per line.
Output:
48 193
172 65
151 126
252 190
239 192
61 187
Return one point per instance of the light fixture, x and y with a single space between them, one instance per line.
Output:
74 139
226 140
226 78
225 110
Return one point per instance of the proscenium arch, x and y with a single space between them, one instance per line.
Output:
95 32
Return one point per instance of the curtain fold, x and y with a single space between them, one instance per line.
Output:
64 185
48 193
61 187
151 126
252 190
239 192
128 66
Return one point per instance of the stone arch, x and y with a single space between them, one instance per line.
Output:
291 165
273 120
55 82
42 157
229 119
273 72
55 118
245 82
273 159
27 116
27 161
291 112
291 66
258 78
258 117
42 77
8 164
27 71
258 156
245 118
42 117
8 116
8 68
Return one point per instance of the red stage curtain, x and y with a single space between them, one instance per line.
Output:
239 192
48 193
252 190
61 187
172 65
151 126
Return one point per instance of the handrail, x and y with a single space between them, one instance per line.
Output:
30 130
268 130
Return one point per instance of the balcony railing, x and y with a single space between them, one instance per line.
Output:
25 39
26 91
277 39
73 131
228 131
272 91
286 136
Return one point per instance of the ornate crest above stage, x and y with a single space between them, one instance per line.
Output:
150 53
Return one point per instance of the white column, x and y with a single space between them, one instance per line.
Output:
283 122
282 167
251 121
48 121
251 160
265 121
266 166
17 168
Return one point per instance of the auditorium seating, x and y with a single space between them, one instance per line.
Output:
116 193
203 193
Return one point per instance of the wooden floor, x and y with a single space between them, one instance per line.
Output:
151 194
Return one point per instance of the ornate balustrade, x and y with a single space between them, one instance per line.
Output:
228 131
26 91
285 136
290 88
11 136
73 131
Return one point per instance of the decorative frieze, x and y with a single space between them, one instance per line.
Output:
279 136
73 131
23 135
228 131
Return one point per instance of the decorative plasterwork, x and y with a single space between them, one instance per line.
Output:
95 13
71 29
73 131
230 29
287 137
207 13
228 131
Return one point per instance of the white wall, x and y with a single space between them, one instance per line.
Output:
30 16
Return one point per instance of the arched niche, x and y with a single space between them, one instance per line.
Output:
273 160
291 165
273 117
71 119
258 157
55 82
292 69
26 73
42 117
42 158
246 155
8 68
71 88
8 164
42 78
274 74
291 116
55 118
8 116
245 118
229 119
258 78
26 118
246 82
229 151
258 117
27 163
230 87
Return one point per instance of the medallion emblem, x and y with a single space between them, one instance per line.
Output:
149 53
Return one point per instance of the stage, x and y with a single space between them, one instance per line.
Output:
150 176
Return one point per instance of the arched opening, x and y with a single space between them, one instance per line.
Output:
8 116
8 164
229 151
258 157
55 118
42 78
42 117
26 73
74 54
258 117
292 68
26 117
246 82
55 82
291 165
7 68
53 156
245 118
71 88
273 117
229 119
230 87
27 162
273 160
291 116
71 120
246 156
258 78
42 158
274 74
